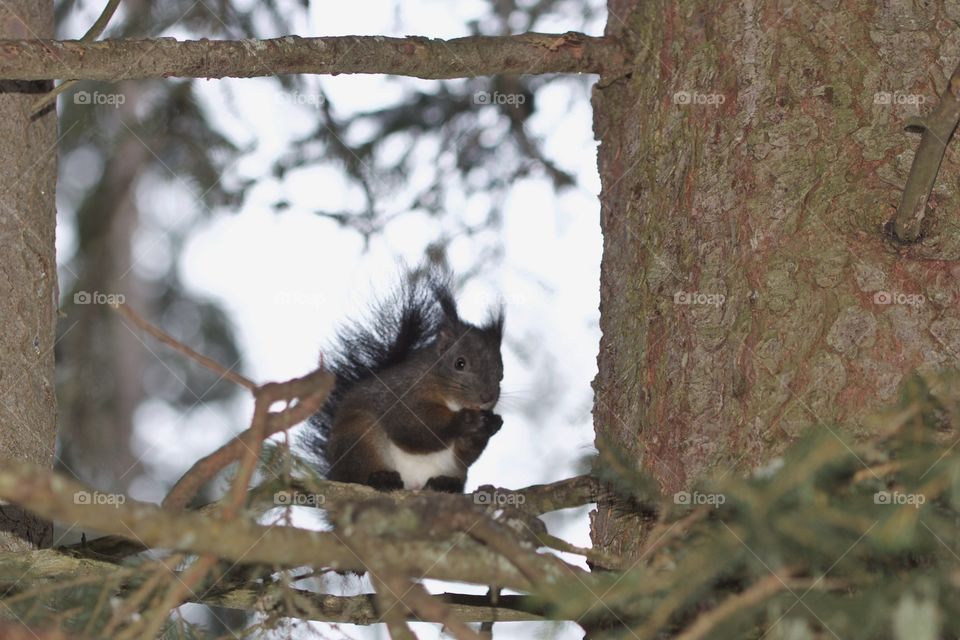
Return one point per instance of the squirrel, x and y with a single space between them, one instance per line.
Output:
412 407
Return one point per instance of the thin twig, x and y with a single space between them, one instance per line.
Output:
877 471
426 607
664 532
164 568
937 128
248 462
92 34
486 531
755 594
176 595
595 556
309 393
360 609
97 28
168 340
391 610
487 626
53 571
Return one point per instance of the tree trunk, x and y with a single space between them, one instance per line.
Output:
101 380
28 283
750 290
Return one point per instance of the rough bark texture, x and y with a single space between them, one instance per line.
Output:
412 56
28 273
750 291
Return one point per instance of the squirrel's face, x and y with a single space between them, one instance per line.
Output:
471 366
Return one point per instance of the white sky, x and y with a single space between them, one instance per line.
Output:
287 280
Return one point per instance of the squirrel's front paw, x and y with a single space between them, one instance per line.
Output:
473 433
482 424
492 422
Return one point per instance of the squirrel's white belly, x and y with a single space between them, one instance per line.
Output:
416 468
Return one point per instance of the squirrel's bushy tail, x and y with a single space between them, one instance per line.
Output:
406 320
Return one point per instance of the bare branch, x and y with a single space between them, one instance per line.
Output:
54 497
563 494
533 500
309 393
758 592
14 631
114 60
937 128
249 456
149 626
94 31
426 607
170 341
92 34
360 609
45 570
536 499
391 608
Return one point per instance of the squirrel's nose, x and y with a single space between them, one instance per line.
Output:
489 401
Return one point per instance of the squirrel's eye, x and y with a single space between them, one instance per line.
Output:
460 364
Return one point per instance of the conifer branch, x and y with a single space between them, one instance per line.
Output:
114 60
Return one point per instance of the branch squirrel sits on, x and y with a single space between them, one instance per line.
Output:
412 405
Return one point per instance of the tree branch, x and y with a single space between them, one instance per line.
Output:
308 393
536 499
45 569
937 128
425 607
446 557
92 34
533 500
114 60
175 344
360 609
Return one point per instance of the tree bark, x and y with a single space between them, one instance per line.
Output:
28 274
751 290
412 56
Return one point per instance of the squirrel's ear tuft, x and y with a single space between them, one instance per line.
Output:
447 305
495 324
